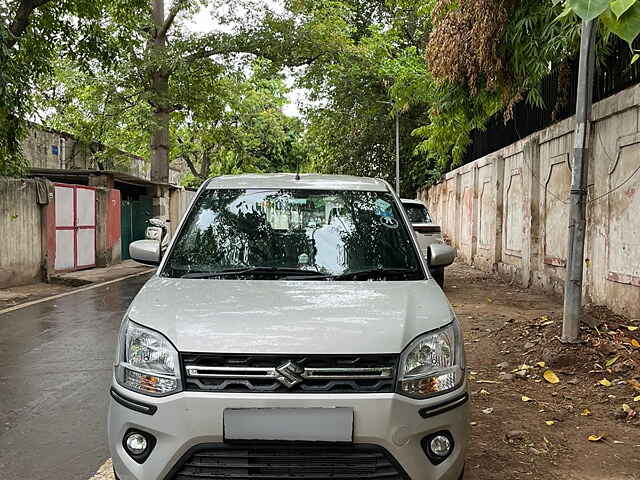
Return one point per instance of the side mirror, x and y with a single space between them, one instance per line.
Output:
441 255
145 251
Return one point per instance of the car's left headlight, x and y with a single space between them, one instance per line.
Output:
146 361
433 363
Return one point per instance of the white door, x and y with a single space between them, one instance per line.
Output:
75 227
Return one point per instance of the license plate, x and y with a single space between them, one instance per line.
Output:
289 424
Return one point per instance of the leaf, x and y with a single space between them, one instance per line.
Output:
636 399
612 360
550 422
523 367
588 9
541 364
626 27
605 383
632 328
619 7
634 384
550 377
484 392
634 342
586 412
563 14
626 408
595 438
526 399
487 411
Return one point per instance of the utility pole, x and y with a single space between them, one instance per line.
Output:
398 153
578 199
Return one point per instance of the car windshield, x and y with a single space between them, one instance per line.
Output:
267 233
417 213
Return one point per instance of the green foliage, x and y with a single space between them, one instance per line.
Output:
588 9
246 132
620 17
31 40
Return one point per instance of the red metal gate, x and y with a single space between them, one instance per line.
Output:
75 227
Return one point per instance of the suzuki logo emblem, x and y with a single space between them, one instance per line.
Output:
289 374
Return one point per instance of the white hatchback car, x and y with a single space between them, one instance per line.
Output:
292 331
429 236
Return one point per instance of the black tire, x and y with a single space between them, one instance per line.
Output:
438 276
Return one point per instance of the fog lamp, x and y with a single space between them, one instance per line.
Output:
136 443
438 446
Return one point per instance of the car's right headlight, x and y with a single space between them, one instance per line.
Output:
146 362
432 364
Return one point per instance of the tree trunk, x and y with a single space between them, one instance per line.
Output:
160 86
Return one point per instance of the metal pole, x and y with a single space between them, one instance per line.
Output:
398 153
578 198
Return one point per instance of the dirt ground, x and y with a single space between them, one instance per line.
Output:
522 425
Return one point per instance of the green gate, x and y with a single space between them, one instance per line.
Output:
135 215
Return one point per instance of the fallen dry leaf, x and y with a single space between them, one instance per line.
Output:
586 412
541 364
635 343
551 377
595 438
613 360
550 422
636 399
632 328
526 399
487 411
626 408
524 367
605 383
634 384
484 392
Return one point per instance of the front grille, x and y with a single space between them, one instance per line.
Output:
288 461
290 374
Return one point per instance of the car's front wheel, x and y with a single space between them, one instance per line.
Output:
438 276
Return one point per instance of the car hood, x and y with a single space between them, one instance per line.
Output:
290 317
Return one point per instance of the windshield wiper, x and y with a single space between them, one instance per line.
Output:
377 273
235 272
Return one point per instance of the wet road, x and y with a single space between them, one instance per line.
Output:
55 369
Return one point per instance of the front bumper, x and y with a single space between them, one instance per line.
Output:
391 421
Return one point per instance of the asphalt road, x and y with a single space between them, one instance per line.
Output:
55 370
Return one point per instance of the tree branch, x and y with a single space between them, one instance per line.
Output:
173 12
187 158
22 19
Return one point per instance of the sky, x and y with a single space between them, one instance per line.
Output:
202 22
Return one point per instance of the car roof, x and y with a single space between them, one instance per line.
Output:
291 181
412 201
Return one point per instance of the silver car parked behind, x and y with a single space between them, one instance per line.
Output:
292 331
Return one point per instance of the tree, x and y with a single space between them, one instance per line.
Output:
35 32
242 129
351 118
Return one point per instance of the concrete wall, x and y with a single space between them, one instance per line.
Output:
179 201
108 227
21 233
508 212
44 148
